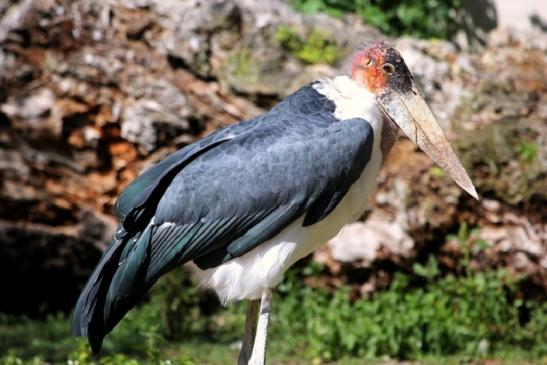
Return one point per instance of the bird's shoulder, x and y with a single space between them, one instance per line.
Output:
304 103
284 147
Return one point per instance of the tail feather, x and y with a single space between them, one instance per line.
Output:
115 286
128 283
88 318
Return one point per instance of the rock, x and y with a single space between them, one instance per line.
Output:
93 92
235 42
79 98
262 65
31 107
158 115
193 27
362 243
502 129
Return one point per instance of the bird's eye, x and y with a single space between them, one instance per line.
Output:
388 68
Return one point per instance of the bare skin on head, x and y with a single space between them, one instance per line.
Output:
368 67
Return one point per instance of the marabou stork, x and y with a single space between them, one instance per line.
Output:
245 203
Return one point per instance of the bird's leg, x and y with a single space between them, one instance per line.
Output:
259 349
249 336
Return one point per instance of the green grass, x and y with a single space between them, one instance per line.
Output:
428 315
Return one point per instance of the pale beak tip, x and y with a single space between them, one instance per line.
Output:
473 192
468 187
462 179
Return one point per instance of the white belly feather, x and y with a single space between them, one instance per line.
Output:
247 277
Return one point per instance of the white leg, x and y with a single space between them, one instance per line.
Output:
249 337
259 349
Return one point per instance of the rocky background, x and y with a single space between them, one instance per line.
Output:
93 92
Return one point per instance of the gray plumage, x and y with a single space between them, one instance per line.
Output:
223 196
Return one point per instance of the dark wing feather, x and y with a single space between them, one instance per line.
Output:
137 192
278 174
146 189
154 180
221 197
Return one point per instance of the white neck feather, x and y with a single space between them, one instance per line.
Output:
351 100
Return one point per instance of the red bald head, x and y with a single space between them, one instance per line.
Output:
374 65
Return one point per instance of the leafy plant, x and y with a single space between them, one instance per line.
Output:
469 244
12 359
476 315
423 313
421 18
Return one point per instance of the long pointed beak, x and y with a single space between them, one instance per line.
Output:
410 112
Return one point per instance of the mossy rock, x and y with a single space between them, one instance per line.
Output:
505 150
262 69
244 66
250 72
315 46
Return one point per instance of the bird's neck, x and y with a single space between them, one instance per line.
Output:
354 101
389 135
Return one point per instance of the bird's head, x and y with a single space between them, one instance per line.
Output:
380 69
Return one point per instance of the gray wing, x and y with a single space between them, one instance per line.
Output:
247 190
241 193
148 187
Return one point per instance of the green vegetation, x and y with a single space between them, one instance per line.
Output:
476 315
528 152
315 48
242 65
426 314
419 18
